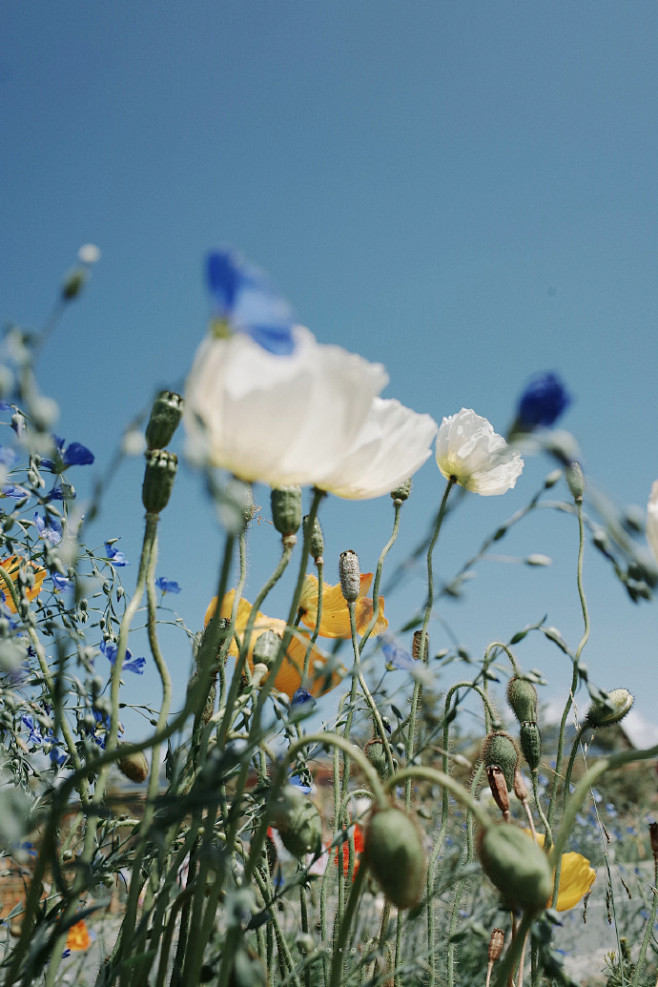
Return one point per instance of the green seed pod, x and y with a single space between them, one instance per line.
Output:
402 492
517 866
576 481
298 822
287 509
530 739
159 476
499 750
134 766
393 848
74 282
376 754
266 648
165 415
610 709
350 575
315 539
522 697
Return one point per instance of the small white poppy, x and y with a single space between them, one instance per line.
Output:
468 449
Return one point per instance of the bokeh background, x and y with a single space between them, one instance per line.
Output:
465 192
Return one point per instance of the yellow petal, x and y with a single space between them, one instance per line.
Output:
12 567
576 878
335 617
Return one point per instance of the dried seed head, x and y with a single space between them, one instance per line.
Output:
496 943
499 790
165 415
159 476
415 646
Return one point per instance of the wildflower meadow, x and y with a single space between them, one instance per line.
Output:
298 817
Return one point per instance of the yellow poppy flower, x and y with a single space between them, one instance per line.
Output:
289 676
12 566
576 878
78 937
335 617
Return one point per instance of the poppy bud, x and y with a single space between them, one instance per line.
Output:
315 539
159 477
394 850
530 740
576 481
401 493
287 509
376 754
298 822
74 282
266 648
499 750
165 415
522 697
611 708
134 766
517 866
350 575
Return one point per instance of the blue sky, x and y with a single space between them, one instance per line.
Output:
465 192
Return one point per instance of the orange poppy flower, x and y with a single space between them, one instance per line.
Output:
78 938
12 567
289 676
576 878
358 850
335 617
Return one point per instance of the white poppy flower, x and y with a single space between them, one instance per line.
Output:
393 443
279 419
468 449
652 520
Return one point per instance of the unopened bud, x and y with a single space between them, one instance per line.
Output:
376 754
415 646
266 648
394 850
610 709
315 538
165 415
530 740
401 493
134 766
576 481
499 750
522 697
159 476
74 282
496 943
287 509
350 575
298 821
517 866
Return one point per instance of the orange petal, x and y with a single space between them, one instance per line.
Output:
78 937
11 566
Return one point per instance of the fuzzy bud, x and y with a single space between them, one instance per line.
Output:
266 648
376 754
415 646
350 575
496 943
610 709
134 766
517 866
522 697
576 481
393 848
530 740
401 493
287 509
298 822
315 539
159 476
165 415
74 282
499 750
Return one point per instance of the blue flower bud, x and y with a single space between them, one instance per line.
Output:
542 402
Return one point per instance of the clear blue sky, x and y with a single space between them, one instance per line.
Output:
464 191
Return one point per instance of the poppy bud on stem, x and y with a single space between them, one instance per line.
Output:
350 575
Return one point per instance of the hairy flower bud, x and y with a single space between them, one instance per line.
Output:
576 481
165 415
376 754
266 648
394 850
522 697
159 476
499 750
74 282
134 766
287 509
530 740
315 539
350 575
611 708
517 866
298 822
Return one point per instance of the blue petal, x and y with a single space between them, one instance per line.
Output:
397 655
78 455
224 277
543 401
167 585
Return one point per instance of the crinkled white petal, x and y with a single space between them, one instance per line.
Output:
277 419
393 443
652 520
481 460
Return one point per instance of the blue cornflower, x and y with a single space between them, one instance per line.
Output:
301 784
167 585
74 454
246 302
116 557
542 402
15 491
396 655
301 696
49 528
35 737
130 664
61 582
